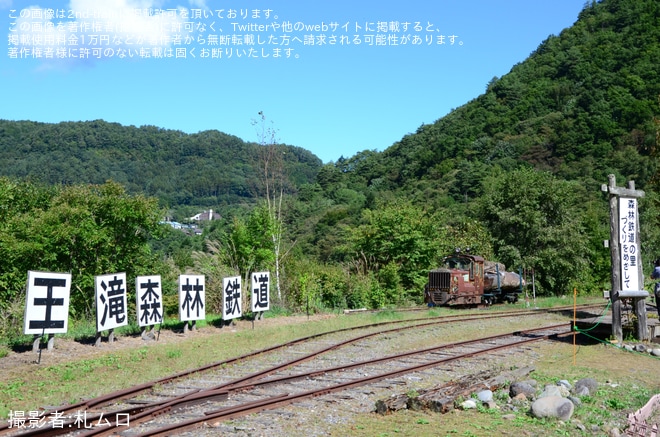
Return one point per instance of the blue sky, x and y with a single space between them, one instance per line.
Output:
298 62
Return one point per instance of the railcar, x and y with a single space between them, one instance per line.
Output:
468 280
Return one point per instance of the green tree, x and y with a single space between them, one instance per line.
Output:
86 230
468 234
211 263
535 222
247 246
398 241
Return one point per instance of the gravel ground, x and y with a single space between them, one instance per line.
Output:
319 416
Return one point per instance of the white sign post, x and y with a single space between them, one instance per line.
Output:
629 253
624 252
260 292
232 306
192 298
148 302
46 305
111 304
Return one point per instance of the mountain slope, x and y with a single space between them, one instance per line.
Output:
207 169
587 99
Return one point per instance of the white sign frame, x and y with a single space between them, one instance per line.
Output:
630 256
157 293
257 291
104 306
41 289
232 284
188 284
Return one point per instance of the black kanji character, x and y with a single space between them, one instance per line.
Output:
150 301
114 307
49 301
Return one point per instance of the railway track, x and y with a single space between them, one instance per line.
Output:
275 378
283 390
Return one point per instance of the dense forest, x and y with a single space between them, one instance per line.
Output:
514 174
209 168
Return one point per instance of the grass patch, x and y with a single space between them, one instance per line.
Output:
277 311
173 354
387 315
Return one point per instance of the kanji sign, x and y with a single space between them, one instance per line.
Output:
149 300
630 256
260 291
192 295
111 308
47 303
231 298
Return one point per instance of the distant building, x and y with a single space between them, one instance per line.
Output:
177 225
205 216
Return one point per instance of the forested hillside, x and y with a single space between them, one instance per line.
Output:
521 165
207 169
514 174
584 104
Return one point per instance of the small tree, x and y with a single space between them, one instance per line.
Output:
272 166
398 242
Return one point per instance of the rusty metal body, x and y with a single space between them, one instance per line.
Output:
463 281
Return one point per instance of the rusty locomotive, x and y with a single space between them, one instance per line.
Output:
469 280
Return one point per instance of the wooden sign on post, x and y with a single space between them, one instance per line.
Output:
627 277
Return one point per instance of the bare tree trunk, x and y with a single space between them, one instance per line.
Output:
273 181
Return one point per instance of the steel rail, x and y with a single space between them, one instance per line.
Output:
132 391
287 399
138 412
228 388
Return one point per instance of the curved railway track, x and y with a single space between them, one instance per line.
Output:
276 379
287 392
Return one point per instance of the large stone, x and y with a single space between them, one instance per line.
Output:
640 348
531 382
576 401
491 405
522 388
553 406
485 396
585 387
554 390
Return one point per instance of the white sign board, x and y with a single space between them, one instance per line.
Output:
111 308
630 255
260 291
47 303
149 300
231 298
192 295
